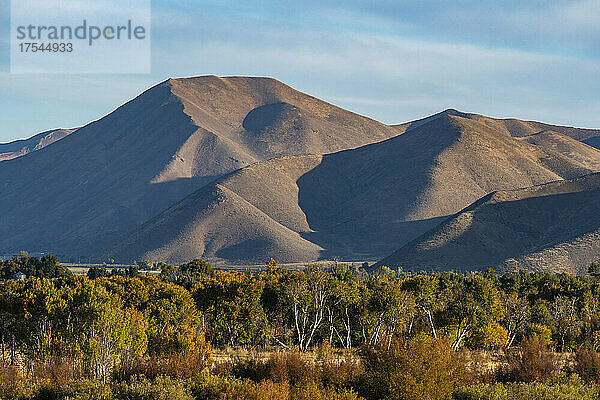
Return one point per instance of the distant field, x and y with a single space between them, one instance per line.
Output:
82 268
291 266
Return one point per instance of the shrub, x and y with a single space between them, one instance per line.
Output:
36 390
528 391
294 369
587 364
18 389
252 368
324 351
177 365
208 386
291 367
312 391
9 374
162 388
56 372
247 390
419 369
533 361
269 390
341 374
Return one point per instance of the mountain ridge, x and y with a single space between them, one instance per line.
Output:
332 200
121 170
241 169
516 127
19 148
534 228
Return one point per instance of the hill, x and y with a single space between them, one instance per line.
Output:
237 170
115 173
19 148
354 204
514 127
551 227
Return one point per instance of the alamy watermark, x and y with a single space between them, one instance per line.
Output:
80 36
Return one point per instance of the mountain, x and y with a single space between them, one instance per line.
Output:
238 169
111 175
565 145
551 227
514 127
355 204
19 148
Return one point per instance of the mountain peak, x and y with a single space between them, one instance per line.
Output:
173 139
240 169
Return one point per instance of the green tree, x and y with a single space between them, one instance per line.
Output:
174 323
46 267
97 272
566 318
426 292
231 303
343 308
474 304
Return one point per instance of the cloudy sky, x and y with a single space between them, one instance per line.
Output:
388 59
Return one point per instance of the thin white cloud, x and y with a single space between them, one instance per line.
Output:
557 26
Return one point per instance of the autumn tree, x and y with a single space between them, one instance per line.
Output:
385 308
231 304
307 293
426 292
174 323
474 304
343 307
566 318
516 312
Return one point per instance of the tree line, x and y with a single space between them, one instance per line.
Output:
340 304
408 328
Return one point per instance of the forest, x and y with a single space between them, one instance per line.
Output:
331 332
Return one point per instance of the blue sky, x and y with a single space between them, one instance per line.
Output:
390 60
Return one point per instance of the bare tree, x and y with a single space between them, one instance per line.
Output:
308 294
566 318
516 314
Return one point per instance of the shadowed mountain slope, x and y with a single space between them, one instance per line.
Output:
243 216
551 227
355 204
19 148
119 171
241 169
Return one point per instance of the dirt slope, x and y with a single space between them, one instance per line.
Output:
354 204
181 172
553 227
119 171
565 145
515 127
